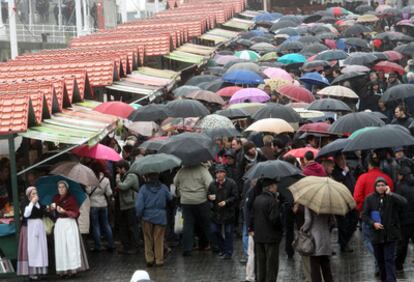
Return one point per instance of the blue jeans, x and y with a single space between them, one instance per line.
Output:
245 239
100 222
225 243
385 256
366 232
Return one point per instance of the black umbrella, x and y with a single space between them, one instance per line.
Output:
356 30
235 61
263 47
219 71
260 39
328 19
272 64
287 46
195 80
362 9
316 65
213 86
272 110
191 148
184 90
284 184
326 35
283 24
153 145
151 112
347 76
331 55
354 121
288 31
319 29
186 108
398 92
272 169
312 18
244 42
394 36
247 35
406 49
329 105
225 52
380 56
360 58
309 39
332 148
293 18
156 164
215 133
357 42
314 48
233 113
388 136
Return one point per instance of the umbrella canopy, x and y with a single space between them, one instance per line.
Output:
155 164
315 127
393 55
338 91
323 195
216 133
273 110
326 35
329 105
195 80
249 66
361 9
47 189
233 113
316 65
293 58
388 67
309 39
271 56
214 121
242 77
296 93
222 60
263 47
119 109
300 152
356 30
355 68
247 55
144 128
332 148
314 78
367 18
276 83
331 55
394 36
151 112
357 42
249 94
186 108
388 136
286 32
250 108
354 121
290 46
228 91
272 125
283 24
152 144
406 49
398 92
97 152
185 89
206 96
191 148
275 169
244 42
360 58
347 76
76 172
277 73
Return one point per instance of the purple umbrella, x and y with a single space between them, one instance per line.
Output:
249 94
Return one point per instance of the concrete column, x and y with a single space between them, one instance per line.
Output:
156 6
124 12
85 17
60 13
3 31
78 9
30 14
12 28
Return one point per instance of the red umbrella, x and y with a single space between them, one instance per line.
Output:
119 109
316 127
331 43
300 152
297 93
387 67
393 55
97 152
228 91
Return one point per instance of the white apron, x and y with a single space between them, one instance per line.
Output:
67 245
36 243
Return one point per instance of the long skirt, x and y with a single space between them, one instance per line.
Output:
70 253
23 265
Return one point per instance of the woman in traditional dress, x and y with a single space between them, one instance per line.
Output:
69 250
33 257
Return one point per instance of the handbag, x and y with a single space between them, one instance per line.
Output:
304 243
49 224
178 222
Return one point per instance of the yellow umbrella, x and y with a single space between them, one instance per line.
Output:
273 125
323 195
276 83
250 108
338 91
367 18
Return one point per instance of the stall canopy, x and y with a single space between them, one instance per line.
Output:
219 36
239 24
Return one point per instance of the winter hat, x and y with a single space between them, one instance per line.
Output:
230 153
398 149
219 168
380 179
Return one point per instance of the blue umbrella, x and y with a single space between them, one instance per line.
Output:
243 77
293 38
340 44
314 78
47 189
292 58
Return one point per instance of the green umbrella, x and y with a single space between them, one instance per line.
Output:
247 55
360 131
155 164
271 56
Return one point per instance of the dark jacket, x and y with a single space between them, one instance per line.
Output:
405 188
227 192
403 121
389 208
345 178
266 222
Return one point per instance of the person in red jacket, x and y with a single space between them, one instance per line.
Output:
364 186
312 168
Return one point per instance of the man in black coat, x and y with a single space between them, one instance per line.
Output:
381 212
405 188
267 228
223 194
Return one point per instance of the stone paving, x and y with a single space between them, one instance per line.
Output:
207 267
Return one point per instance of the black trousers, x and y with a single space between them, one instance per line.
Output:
320 266
346 227
407 233
128 229
267 261
289 228
193 215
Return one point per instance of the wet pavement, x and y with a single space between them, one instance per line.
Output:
205 266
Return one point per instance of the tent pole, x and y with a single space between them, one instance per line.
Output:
16 206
